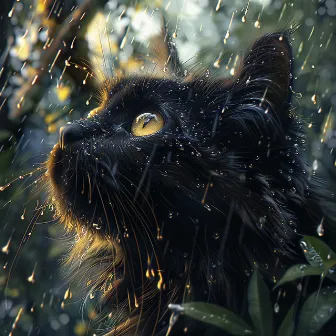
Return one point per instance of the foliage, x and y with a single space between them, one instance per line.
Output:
316 311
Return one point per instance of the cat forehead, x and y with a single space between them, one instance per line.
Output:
134 85
141 90
153 88
136 90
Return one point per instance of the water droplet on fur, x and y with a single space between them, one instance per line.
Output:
206 206
261 222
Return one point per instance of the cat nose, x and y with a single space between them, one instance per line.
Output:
69 134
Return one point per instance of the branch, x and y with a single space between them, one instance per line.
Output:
34 89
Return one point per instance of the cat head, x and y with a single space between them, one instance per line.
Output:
161 155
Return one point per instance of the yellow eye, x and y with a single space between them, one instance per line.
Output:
147 123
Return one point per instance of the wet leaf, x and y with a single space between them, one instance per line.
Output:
297 272
217 316
330 269
316 251
317 311
287 326
328 264
260 307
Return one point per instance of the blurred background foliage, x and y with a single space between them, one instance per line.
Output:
54 54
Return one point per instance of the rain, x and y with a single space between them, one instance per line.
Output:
60 62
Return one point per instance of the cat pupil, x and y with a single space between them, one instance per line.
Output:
148 120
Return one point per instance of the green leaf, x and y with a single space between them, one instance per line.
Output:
317 311
287 326
316 251
260 307
297 272
329 264
330 269
4 135
217 316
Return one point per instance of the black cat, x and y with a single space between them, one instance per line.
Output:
178 187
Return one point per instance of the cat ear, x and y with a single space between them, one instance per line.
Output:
265 77
165 52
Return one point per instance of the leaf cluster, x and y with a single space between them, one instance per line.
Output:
315 312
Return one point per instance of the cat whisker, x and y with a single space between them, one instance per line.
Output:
27 233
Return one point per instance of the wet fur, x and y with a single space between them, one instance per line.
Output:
188 212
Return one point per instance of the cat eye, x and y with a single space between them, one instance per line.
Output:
147 123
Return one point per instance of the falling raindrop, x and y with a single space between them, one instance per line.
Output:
320 229
67 294
2 188
304 246
10 14
17 318
23 215
315 165
31 278
5 249
276 307
176 311
218 5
